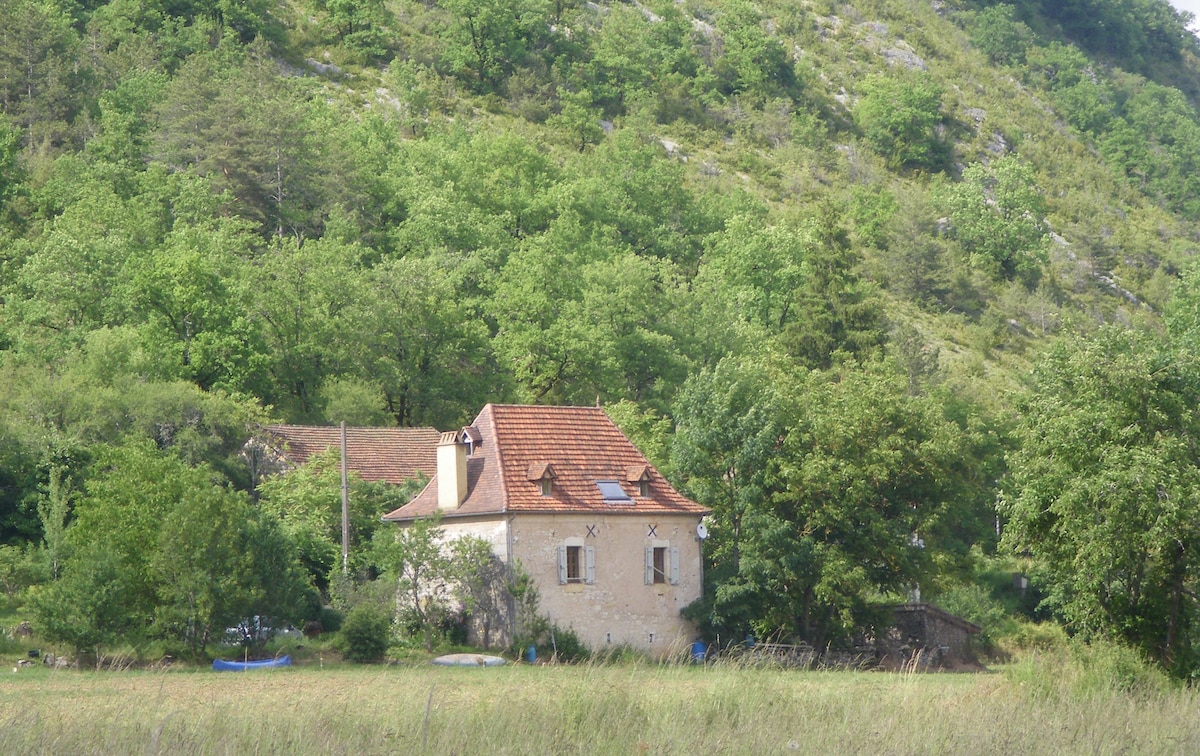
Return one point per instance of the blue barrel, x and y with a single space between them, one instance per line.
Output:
531 654
699 651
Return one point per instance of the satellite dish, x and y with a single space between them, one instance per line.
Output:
701 531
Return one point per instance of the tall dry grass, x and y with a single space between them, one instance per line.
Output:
586 709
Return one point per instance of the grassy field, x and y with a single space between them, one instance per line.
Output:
585 709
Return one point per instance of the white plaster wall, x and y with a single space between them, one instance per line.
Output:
494 531
619 608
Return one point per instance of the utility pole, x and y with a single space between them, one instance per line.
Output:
345 506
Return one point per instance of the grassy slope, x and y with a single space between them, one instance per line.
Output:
579 709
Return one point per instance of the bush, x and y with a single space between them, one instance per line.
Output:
330 619
1074 669
566 644
366 633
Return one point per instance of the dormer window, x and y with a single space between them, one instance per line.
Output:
541 474
639 475
470 438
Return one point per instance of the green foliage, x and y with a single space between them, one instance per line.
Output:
487 39
90 605
1156 144
412 558
158 549
998 212
480 585
308 503
753 61
365 634
1102 489
362 26
20 569
842 486
899 116
1000 36
729 425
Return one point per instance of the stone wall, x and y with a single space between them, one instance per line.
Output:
925 636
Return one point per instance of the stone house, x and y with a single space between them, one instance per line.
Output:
611 546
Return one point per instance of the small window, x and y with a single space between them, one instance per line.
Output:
643 488
576 564
547 486
662 564
611 491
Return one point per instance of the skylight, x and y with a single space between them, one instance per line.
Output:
611 491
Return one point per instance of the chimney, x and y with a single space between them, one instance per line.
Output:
451 472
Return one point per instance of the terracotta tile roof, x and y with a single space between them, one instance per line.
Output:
580 444
393 455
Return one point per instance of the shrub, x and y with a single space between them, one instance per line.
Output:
366 633
567 645
330 619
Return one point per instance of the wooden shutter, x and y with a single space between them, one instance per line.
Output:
562 565
589 565
674 575
649 565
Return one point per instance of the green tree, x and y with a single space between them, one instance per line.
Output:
362 25
235 120
87 607
998 212
899 116
834 310
480 585
410 332
729 426
413 558
40 69
489 38
753 61
302 292
162 549
864 482
1103 490
1000 36
220 562
308 501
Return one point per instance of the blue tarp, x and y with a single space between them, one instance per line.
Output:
221 665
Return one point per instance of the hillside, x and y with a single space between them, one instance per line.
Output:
820 260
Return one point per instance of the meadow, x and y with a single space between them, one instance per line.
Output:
1038 705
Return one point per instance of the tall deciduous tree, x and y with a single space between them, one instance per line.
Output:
849 501
1104 490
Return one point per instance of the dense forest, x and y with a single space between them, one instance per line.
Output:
903 289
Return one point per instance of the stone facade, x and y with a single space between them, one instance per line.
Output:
925 636
619 603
